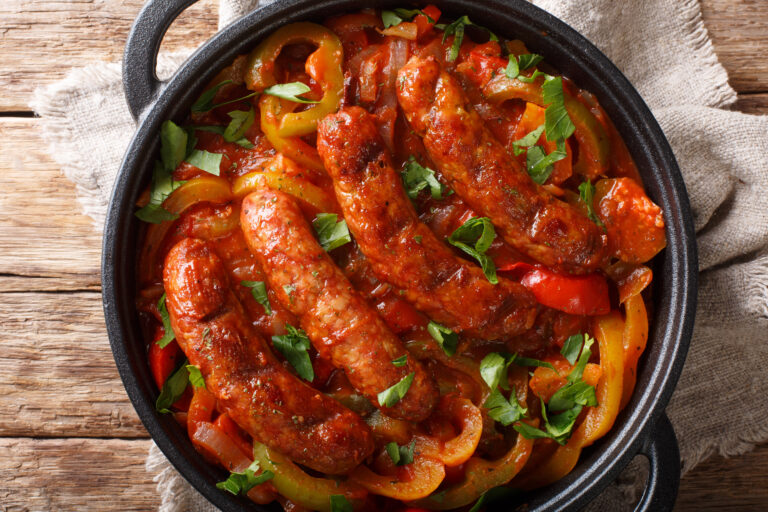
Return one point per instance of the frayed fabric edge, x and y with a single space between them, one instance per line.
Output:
697 36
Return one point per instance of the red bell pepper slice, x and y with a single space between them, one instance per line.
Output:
576 295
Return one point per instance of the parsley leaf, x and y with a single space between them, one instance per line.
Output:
502 410
331 234
416 178
395 393
558 125
587 194
339 503
173 147
474 237
572 347
390 18
493 369
528 60
205 102
446 338
242 142
241 122
527 361
168 334
400 455
195 377
527 141
259 292
397 16
456 29
173 389
513 68
400 361
493 495
290 92
540 165
205 161
294 347
241 483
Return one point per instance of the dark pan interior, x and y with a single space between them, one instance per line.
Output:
569 53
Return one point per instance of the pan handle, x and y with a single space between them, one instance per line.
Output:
140 81
664 475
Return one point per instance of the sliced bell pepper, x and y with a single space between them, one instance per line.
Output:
323 65
272 109
298 486
635 338
577 295
306 192
594 145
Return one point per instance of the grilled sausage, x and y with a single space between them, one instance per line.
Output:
342 326
401 249
250 384
480 171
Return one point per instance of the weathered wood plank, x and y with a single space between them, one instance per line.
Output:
752 103
74 475
739 483
77 33
57 375
42 39
42 232
738 31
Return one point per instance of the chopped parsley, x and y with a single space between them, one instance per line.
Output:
456 29
205 102
339 503
241 122
331 233
241 483
527 141
205 161
502 410
540 165
474 237
417 178
400 361
521 63
290 92
173 388
400 455
259 292
446 338
395 393
587 194
397 16
168 334
294 346
195 377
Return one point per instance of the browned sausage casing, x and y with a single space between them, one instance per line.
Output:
342 326
250 384
482 173
401 249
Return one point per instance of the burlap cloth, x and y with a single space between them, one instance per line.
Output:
721 403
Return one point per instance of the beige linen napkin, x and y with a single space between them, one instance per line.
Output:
721 403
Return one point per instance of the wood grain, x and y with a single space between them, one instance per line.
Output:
77 33
57 375
738 31
42 39
72 475
42 233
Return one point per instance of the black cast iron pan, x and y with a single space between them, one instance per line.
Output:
642 427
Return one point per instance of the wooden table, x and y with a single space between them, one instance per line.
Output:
69 438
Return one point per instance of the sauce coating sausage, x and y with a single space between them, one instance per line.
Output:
400 248
251 385
342 326
482 173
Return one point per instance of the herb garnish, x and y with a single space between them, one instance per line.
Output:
474 237
294 346
417 177
290 92
173 388
587 194
241 483
446 338
456 29
397 16
395 393
259 292
400 455
330 233
400 361
168 334
339 503
195 377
